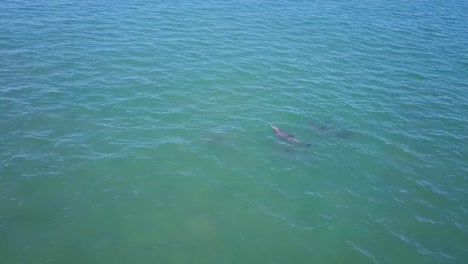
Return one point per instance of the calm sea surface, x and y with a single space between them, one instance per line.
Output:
139 131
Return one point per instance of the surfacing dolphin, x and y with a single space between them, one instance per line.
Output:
285 135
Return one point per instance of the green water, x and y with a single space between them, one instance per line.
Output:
139 132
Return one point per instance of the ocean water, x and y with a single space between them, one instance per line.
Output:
139 131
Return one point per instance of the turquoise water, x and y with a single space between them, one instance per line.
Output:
138 131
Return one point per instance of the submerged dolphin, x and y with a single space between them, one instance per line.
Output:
283 134
325 129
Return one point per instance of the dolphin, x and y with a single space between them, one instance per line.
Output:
322 129
283 134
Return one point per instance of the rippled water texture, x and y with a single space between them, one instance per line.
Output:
139 131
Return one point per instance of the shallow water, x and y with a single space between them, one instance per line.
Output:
138 131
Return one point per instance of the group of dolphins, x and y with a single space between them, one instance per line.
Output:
342 134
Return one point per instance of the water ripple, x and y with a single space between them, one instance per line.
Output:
161 112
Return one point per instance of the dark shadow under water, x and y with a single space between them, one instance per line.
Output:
324 129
